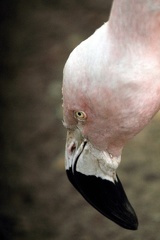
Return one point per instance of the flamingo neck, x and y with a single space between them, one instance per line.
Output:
136 22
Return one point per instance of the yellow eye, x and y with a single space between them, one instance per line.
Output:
80 115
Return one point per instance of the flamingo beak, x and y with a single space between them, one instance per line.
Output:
93 174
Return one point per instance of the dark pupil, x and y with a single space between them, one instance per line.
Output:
79 114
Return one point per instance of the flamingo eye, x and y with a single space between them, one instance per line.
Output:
80 115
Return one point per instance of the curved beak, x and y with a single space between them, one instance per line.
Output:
93 174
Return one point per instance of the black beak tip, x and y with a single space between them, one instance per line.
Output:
107 197
126 218
133 225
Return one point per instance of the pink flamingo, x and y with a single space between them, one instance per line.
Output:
111 90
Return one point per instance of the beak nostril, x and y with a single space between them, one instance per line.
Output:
72 147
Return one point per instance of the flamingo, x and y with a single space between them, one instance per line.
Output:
111 91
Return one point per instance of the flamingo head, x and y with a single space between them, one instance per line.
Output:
96 134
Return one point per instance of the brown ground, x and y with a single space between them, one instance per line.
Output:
37 200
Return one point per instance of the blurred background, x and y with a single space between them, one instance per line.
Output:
36 199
